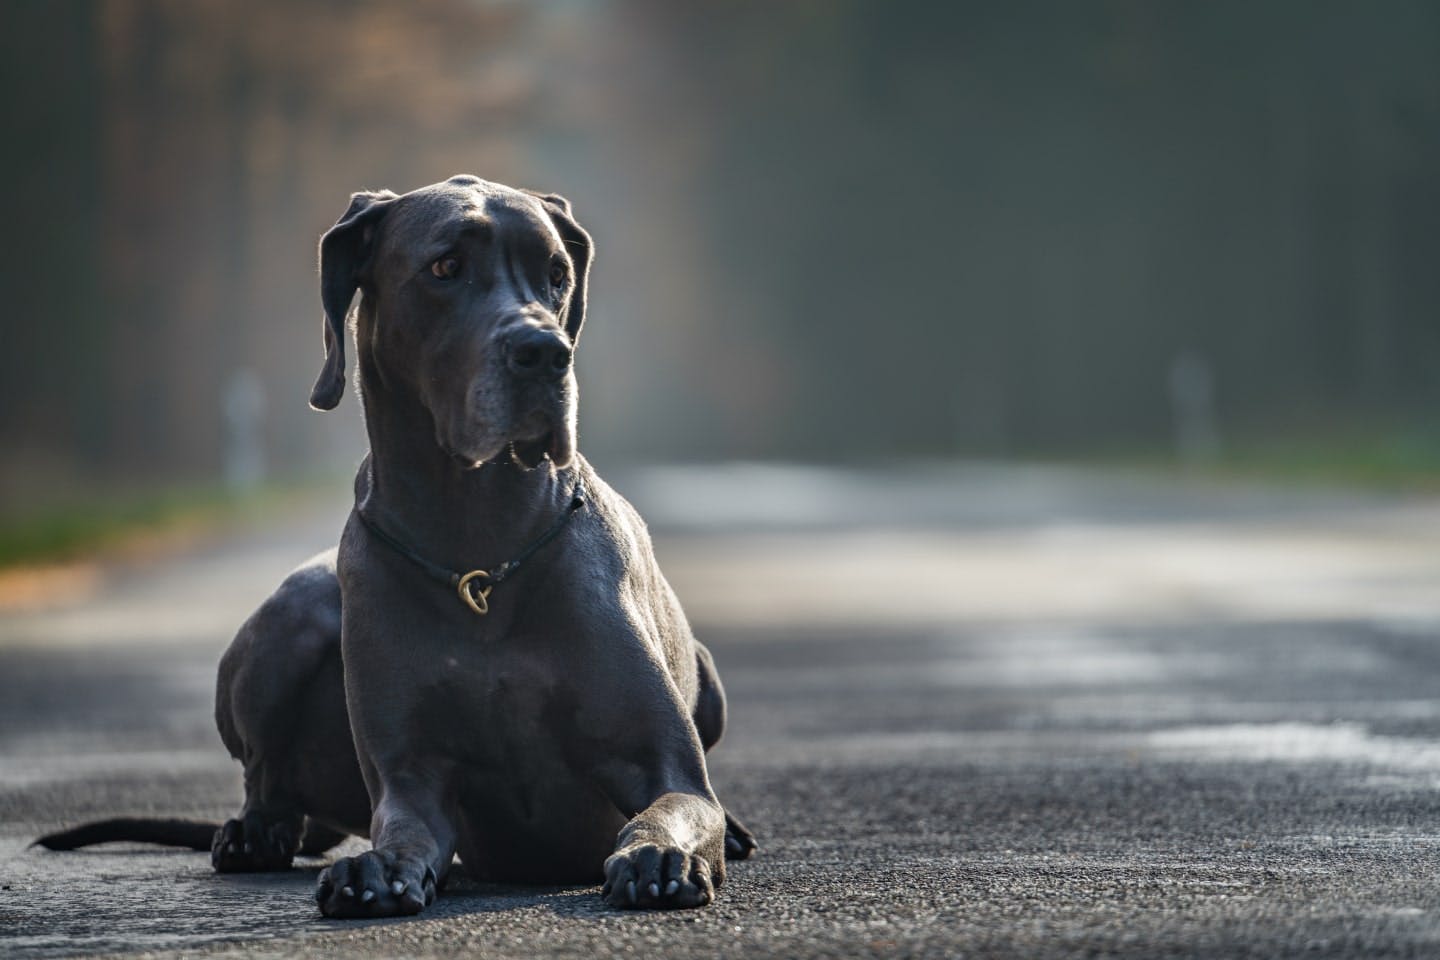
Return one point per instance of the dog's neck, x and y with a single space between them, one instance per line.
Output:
457 515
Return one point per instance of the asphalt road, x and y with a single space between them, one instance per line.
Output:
976 711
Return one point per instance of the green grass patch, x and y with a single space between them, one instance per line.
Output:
82 527
1396 460
1402 461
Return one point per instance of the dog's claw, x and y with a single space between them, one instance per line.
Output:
367 896
398 887
347 891
630 891
671 887
654 889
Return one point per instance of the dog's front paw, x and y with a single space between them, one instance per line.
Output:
375 884
253 845
649 877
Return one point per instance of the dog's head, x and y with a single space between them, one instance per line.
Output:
472 299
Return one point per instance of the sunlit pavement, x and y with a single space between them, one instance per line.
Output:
975 710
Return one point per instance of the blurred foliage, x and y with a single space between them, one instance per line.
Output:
134 522
828 230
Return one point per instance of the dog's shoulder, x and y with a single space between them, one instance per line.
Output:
621 582
612 532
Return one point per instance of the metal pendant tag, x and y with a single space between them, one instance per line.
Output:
474 589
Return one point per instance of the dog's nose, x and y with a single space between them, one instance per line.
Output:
537 354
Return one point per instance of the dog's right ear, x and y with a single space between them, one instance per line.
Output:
343 251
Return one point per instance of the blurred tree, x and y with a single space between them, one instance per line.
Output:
55 335
233 135
826 229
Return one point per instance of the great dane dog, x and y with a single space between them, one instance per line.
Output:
519 684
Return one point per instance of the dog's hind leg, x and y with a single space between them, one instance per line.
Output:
710 724
270 678
740 843
280 709
258 841
709 713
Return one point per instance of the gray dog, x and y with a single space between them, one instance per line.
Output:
519 685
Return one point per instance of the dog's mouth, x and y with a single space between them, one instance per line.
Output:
541 437
530 453
557 444
539 430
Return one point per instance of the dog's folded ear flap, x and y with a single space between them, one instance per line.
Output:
343 251
582 251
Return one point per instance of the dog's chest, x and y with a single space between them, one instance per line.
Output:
486 707
510 725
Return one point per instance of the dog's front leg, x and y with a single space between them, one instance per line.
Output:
672 852
414 845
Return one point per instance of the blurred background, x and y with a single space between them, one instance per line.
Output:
1034 403
827 231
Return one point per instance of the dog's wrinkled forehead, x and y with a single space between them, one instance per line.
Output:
430 221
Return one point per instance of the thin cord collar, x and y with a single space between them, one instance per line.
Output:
474 586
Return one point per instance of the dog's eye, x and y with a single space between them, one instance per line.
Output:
446 267
558 274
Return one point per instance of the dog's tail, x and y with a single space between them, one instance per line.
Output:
195 834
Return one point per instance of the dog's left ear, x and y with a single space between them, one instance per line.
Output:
343 251
582 251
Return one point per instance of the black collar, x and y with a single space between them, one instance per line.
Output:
474 587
